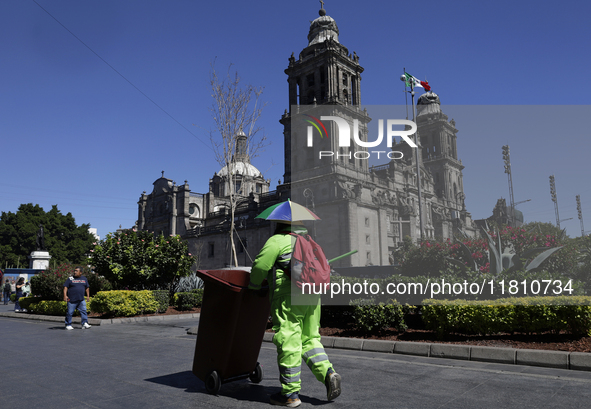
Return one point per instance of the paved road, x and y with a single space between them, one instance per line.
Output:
148 365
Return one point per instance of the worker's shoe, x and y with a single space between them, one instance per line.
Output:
291 401
333 384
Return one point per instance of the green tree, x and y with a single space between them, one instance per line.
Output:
583 270
137 260
543 229
65 241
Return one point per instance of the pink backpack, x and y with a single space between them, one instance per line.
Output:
308 264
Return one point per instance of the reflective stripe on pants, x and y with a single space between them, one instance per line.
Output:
289 375
296 337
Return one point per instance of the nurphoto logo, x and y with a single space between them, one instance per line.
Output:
344 136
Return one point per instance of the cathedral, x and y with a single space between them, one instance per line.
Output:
365 208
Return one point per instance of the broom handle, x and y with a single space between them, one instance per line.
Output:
341 256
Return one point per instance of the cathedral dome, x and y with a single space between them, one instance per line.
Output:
322 29
241 168
428 103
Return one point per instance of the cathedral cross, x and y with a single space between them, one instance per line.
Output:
321 4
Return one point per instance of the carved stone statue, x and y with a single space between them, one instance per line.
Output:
404 205
41 239
345 191
375 197
439 213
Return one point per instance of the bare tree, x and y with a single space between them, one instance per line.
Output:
236 109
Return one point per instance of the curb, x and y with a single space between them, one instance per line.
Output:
99 321
579 361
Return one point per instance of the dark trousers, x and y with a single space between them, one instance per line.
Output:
16 304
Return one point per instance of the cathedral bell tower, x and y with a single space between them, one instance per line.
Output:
324 74
439 150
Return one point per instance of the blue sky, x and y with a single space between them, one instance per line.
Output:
90 133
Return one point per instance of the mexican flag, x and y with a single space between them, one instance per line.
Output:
415 82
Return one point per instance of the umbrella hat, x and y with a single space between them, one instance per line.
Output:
287 212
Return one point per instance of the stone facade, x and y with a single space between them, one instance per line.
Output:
204 218
369 209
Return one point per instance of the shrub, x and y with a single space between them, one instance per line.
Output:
428 258
49 284
163 299
125 303
199 293
376 317
25 302
96 282
527 315
339 316
54 307
49 307
186 301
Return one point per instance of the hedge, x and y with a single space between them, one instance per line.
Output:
372 317
125 303
526 315
188 300
163 299
54 307
25 302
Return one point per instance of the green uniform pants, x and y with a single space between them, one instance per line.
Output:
296 337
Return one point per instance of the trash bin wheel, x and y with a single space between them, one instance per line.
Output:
257 375
213 383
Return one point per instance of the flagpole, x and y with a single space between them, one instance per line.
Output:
419 190
414 119
405 93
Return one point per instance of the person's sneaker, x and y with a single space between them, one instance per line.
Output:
333 384
86 325
69 327
291 401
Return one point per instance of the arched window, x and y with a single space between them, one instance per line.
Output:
194 211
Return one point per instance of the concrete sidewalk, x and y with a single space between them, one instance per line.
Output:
513 356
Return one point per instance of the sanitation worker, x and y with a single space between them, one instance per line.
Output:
296 326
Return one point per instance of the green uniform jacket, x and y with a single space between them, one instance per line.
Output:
262 268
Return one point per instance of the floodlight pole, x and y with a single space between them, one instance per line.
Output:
580 213
554 199
507 160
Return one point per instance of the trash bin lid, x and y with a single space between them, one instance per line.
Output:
235 279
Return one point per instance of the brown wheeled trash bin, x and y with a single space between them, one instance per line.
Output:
231 328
